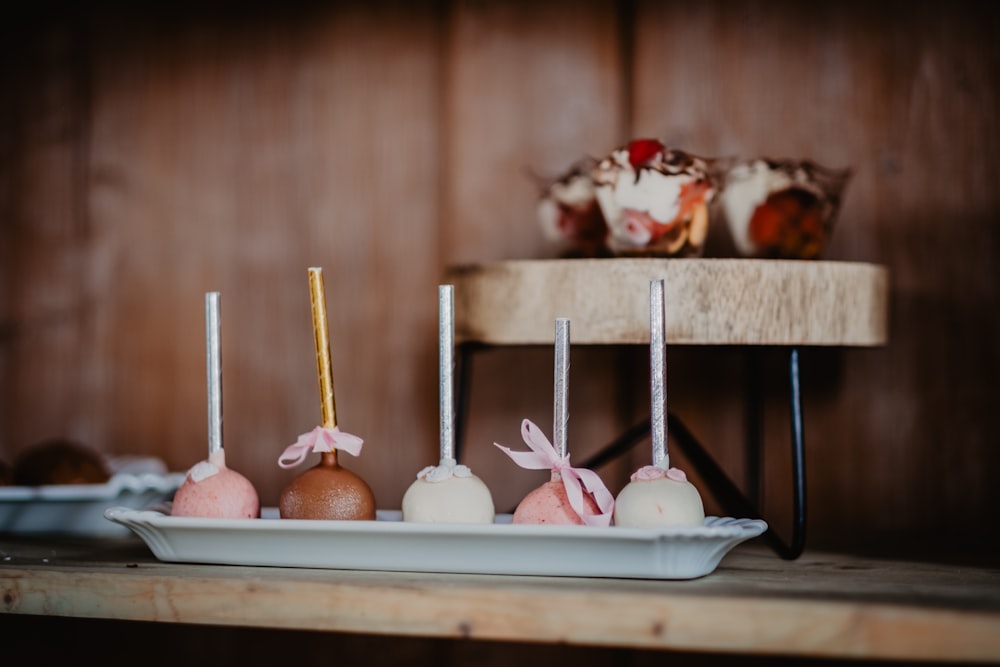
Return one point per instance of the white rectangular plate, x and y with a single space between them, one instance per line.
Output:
390 544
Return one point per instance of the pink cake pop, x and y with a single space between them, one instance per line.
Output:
657 494
211 489
572 495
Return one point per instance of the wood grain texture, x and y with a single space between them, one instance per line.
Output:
822 606
707 302
231 157
544 80
149 156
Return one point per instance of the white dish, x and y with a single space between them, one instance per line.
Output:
78 509
390 544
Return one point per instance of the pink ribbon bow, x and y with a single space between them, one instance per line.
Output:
320 439
575 480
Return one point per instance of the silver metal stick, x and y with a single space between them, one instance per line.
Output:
561 406
214 371
446 369
658 374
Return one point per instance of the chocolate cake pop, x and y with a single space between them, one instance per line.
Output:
327 490
572 495
448 492
658 495
211 489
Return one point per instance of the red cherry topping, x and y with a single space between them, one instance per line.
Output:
641 151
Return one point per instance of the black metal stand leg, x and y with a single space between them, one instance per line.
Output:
753 476
729 496
619 445
798 461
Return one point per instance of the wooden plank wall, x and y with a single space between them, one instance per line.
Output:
150 155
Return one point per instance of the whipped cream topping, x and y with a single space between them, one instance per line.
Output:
652 192
657 201
577 189
654 189
748 185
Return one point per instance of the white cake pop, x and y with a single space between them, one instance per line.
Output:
657 494
448 492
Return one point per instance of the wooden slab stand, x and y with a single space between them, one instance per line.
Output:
708 301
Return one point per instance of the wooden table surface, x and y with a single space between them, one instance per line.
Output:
822 605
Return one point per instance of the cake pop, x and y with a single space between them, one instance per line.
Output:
658 495
327 490
211 489
448 492
572 495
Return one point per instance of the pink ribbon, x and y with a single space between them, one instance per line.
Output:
543 455
320 439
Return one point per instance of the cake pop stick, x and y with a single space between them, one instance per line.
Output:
321 335
211 489
658 375
448 492
572 495
446 370
326 438
326 491
213 370
658 495
560 401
